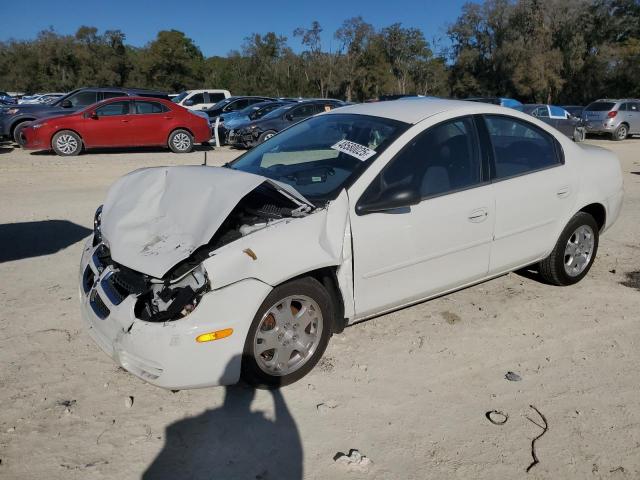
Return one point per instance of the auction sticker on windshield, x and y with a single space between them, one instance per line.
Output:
354 149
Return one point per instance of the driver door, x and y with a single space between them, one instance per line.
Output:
403 255
110 127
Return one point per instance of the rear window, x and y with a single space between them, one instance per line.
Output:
600 106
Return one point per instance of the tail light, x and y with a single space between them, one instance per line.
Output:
612 114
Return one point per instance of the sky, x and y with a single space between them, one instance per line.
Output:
219 27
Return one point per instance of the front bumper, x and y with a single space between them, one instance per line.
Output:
166 354
242 138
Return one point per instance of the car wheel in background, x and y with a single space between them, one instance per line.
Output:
66 143
266 136
574 252
289 334
17 132
180 141
621 132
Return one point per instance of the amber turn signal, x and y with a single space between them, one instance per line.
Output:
211 336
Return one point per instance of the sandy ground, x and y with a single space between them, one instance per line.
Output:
409 390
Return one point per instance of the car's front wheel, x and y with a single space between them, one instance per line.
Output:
66 143
266 136
289 334
180 141
574 252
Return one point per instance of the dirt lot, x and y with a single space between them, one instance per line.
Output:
409 390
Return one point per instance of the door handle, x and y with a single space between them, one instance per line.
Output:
478 215
168 118
124 121
564 191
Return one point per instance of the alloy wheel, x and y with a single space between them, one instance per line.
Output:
67 144
579 250
288 335
181 141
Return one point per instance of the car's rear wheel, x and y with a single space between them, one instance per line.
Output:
266 136
181 141
289 334
17 132
574 253
66 143
621 132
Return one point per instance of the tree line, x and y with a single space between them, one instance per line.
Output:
555 51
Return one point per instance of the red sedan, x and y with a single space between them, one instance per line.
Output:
119 122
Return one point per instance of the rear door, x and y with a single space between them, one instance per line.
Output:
533 189
110 127
150 123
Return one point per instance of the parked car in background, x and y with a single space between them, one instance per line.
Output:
254 132
231 120
40 98
617 118
14 118
119 122
557 117
502 101
200 99
7 99
574 110
233 104
247 271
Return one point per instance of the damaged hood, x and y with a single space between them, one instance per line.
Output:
154 218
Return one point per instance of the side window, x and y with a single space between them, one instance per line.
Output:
558 112
215 97
633 107
145 108
115 108
442 159
303 111
237 105
251 101
541 112
520 147
83 99
624 107
197 99
108 95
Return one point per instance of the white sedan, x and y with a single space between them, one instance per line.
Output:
198 276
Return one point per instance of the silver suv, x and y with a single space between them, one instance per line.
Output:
618 118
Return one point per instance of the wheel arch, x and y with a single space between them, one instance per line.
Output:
17 122
598 212
66 130
171 132
327 277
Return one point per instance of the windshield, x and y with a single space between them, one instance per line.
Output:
277 112
307 155
599 106
178 98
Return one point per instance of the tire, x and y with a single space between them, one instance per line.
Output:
621 133
66 143
574 253
180 141
267 367
17 132
266 136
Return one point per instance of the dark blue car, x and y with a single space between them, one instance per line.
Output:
254 132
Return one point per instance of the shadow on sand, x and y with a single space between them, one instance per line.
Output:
232 442
34 239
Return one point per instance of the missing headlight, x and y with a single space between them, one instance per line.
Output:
172 300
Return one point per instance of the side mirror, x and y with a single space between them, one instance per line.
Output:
390 199
66 104
188 103
288 117
94 115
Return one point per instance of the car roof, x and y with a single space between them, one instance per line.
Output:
414 111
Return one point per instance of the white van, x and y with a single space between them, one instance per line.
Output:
200 99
